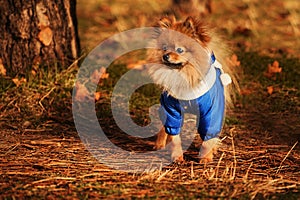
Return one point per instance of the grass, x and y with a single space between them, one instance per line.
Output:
43 157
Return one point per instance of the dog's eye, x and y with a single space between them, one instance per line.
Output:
164 47
179 50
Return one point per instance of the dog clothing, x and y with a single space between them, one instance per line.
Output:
209 107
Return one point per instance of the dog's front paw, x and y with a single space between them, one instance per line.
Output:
177 159
159 146
208 158
177 155
208 149
161 140
176 148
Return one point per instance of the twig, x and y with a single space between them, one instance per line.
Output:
234 156
247 172
192 170
10 150
218 165
280 166
50 179
46 95
162 175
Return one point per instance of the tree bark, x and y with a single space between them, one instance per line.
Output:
37 33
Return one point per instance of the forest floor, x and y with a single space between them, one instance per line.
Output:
43 157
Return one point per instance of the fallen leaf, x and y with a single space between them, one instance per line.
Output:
270 90
97 95
99 74
246 91
138 66
233 61
273 69
2 69
18 81
82 94
33 72
104 75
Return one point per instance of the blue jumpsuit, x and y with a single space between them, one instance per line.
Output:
209 109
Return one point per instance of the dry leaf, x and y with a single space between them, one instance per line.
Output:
45 36
138 66
97 95
18 81
273 69
2 69
33 72
246 91
99 74
82 94
103 73
233 61
270 90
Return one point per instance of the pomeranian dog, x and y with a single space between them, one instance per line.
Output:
187 64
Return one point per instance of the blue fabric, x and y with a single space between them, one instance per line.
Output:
209 109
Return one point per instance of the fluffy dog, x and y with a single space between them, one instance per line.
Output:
187 59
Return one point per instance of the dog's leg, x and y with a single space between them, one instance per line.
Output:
176 148
208 149
161 139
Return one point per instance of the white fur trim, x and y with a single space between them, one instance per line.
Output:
225 79
218 65
205 84
201 89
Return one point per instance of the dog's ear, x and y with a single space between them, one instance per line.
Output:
166 22
189 23
198 29
202 33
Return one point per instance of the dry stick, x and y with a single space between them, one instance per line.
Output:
247 172
46 95
192 170
280 166
10 103
218 165
234 156
49 179
162 175
10 150
270 186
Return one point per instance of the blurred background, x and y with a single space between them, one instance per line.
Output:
271 27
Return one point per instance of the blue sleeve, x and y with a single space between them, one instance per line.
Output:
170 114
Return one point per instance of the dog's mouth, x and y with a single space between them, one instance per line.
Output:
173 61
174 65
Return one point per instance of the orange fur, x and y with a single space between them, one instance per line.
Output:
200 38
183 48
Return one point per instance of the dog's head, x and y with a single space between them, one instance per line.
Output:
180 55
182 43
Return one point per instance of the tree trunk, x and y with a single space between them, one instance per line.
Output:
37 33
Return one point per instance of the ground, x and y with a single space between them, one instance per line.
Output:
42 156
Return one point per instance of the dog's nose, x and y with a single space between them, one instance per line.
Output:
166 57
